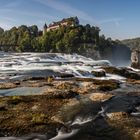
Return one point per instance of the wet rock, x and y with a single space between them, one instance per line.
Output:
137 134
15 100
133 81
135 65
117 115
98 73
126 72
81 106
100 96
3 106
67 85
65 75
83 73
100 85
121 103
37 78
7 85
61 94
108 85
135 59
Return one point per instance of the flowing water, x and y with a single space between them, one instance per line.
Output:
21 66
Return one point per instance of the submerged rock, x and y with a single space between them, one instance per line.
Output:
126 72
98 73
66 94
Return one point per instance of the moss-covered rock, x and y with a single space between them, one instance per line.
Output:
19 117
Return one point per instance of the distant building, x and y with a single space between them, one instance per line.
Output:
135 59
72 21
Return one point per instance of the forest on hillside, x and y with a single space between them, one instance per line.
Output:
64 39
132 43
82 39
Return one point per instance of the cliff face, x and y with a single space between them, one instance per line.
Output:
119 55
135 59
90 50
132 43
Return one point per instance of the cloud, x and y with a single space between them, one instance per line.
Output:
68 9
11 13
116 21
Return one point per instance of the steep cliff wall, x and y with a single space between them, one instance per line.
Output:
90 50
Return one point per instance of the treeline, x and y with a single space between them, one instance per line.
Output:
18 39
132 43
81 39
64 39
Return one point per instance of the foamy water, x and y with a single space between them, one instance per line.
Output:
15 65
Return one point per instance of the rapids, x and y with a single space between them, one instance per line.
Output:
82 116
20 66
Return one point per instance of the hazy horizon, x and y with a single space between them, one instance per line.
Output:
116 19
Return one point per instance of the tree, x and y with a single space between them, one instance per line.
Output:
1 31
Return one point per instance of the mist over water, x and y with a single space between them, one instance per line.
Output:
118 55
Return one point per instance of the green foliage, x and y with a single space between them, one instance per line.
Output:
1 31
77 39
68 39
18 39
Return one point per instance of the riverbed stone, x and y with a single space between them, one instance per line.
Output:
98 73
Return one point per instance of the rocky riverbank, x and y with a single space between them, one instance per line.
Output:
67 97
74 108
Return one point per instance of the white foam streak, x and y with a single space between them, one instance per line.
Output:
63 136
81 121
112 76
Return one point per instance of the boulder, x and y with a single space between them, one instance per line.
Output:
117 115
126 72
98 73
60 94
7 85
100 96
80 107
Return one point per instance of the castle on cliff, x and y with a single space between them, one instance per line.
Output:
72 21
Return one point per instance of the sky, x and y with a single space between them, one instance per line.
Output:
118 19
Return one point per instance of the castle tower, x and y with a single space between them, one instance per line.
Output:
45 28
